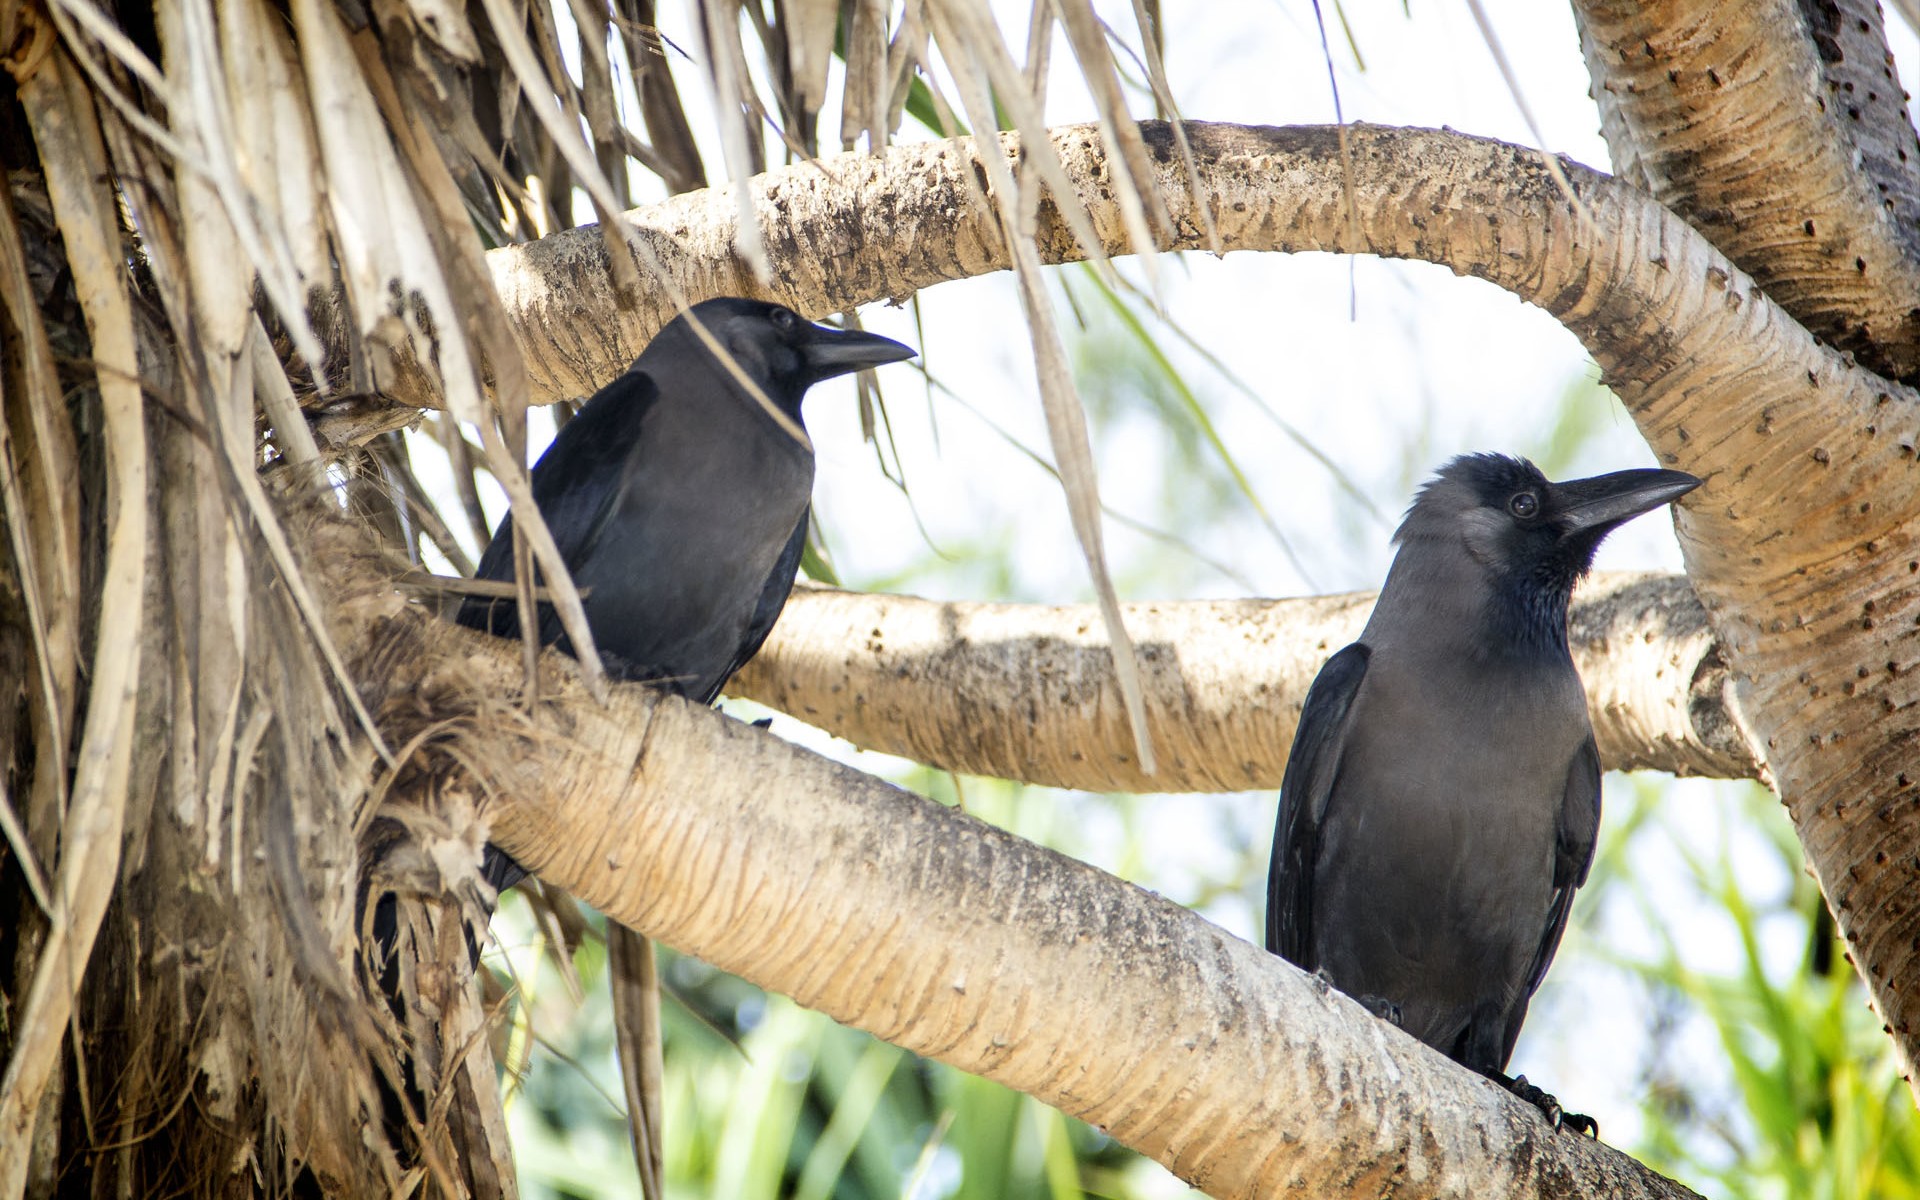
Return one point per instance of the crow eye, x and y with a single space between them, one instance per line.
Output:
783 319
1524 505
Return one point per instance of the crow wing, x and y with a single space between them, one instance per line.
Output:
1575 834
1304 790
575 484
773 598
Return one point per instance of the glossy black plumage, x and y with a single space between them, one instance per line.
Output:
1442 797
679 504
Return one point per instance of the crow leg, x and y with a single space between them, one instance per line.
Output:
1383 1008
1548 1105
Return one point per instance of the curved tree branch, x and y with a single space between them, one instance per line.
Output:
1026 692
1803 546
1779 130
961 942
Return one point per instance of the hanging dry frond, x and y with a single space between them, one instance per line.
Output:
633 976
38 457
987 65
863 102
1140 203
69 138
719 25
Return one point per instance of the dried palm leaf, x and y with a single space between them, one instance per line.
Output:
275 149
727 72
1066 417
863 102
68 137
1147 14
635 982
1139 200
43 527
659 100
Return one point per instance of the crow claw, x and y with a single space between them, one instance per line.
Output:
1383 1008
1550 1108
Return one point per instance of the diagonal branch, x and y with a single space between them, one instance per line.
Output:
962 942
1024 691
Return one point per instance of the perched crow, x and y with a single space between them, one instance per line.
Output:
1441 801
679 504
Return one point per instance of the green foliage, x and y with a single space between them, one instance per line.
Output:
1815 1107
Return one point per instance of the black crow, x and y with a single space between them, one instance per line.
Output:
679 504
1442 797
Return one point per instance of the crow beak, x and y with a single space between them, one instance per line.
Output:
1604 501
831 352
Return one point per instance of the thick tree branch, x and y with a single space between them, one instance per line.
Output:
1779 130
961 942
1026 692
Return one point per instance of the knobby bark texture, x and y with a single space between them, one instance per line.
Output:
1026 692
1779 129
1801 546
957 940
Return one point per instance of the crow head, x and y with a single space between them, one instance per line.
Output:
1532 537
779 350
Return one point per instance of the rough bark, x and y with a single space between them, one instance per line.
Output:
1778 129
1026 692
1801 547
961 942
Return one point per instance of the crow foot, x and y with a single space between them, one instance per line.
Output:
1379 1006
1549 1107
1383 1008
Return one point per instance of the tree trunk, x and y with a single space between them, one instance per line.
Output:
1779 130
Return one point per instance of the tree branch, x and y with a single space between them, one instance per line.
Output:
1779 130
959 941
1801 547
1026 692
